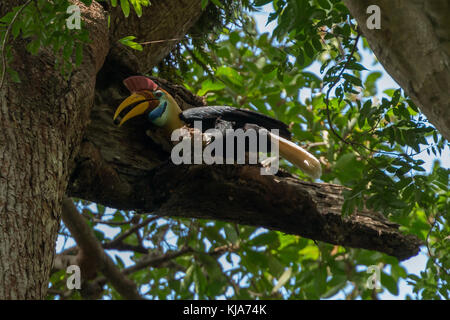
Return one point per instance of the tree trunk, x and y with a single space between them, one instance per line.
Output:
43 120
413 45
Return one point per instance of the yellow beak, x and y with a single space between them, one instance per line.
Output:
140 104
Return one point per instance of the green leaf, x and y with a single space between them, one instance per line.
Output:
352 79
16 28
137 7
79 58
33 46
389 283
265 238
204 3
412 105
199 280
208 85
68 49
396 97
230 74
321 280
324 4
187 280
300 58
337 283
128 41
99 235
14 75
398 204
355 66
125 5
268 68
365 110
260 3
217 3
120 262
231 233
309 50
7 18
317 44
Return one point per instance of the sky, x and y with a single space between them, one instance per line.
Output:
413 265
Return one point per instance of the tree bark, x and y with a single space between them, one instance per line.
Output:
413 45
41 120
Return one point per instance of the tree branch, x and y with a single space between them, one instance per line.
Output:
124 235
240 194
123 168
92 252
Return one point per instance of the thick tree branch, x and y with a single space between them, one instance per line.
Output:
123 168
93 254
240 194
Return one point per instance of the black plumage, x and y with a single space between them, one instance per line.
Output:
239 117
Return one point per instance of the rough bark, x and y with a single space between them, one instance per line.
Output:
413 45
41 119
163 20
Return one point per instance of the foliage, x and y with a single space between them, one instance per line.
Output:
43 25
373 146
367 140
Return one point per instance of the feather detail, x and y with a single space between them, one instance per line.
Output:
139 83
208 115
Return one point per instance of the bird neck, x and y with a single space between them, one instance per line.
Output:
173 115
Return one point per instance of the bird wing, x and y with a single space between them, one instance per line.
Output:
208 115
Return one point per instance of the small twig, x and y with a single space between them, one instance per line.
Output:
152 261
127 233
200 63
314 144
327 105
110 223
127 247
160 41
168 40
337 79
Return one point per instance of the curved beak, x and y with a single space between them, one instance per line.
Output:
139 104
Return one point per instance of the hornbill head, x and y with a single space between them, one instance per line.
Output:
146 98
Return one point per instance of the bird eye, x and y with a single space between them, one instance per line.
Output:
158 94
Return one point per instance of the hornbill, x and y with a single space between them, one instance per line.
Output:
161 109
